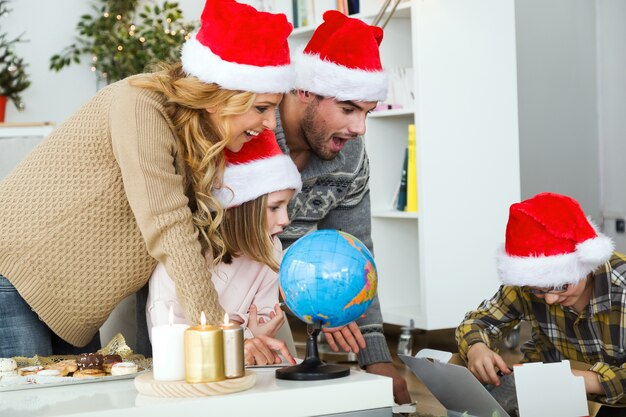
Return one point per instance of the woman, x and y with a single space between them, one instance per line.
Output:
259 182
126 182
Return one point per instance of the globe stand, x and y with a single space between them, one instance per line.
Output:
312 367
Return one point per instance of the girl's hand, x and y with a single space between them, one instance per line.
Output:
349 337
263 327
261 350
484 362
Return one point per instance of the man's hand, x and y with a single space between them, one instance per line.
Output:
261 327
400 389
349 337
483 362
261 350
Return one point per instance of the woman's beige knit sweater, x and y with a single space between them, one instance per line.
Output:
85 217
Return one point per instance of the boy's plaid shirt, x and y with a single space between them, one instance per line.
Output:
596 336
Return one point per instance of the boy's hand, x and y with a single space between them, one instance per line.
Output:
262 326
349 337
484 363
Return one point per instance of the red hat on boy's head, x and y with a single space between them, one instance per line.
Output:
550 242
342 60
259 168
240 48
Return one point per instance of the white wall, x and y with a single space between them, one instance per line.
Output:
557 91
49 27
561 89
611 15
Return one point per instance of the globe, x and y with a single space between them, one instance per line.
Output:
328 277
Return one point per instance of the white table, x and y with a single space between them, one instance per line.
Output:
359 394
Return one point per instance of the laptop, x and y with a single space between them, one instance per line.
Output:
456 388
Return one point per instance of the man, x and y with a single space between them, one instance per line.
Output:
339 80
562 277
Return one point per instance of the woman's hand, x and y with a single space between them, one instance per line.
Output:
262 326
349 337
483 362
262 350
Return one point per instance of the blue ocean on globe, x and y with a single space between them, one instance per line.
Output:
328 277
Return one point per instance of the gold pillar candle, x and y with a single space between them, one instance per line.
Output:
204 353
234 363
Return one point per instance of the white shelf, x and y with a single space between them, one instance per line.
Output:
403 315
467 157
391 113
402 11
394 214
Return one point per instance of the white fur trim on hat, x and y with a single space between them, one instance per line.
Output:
199 61
332 80
556 270
245 182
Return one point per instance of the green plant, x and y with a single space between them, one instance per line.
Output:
13 76
123 41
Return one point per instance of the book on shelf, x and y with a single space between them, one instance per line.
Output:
411 175
401 201
342 6
303 13
353 6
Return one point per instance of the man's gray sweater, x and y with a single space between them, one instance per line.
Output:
335 195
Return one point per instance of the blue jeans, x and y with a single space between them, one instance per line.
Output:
22 333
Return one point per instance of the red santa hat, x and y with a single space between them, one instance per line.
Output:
259 168
550 242
240 48
342 60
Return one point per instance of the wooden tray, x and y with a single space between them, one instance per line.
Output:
146 384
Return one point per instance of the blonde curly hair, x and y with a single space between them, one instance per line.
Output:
201 142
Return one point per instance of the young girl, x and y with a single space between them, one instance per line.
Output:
126 182
258 183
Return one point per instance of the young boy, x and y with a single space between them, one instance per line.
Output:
562 277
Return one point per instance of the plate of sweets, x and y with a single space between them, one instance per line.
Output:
38 372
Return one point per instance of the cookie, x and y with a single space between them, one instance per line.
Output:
29 370
88 373
69 364
7 373
109 361
89 361
50 372
123 368
7 365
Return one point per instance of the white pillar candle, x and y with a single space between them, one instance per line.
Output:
168 351
234 362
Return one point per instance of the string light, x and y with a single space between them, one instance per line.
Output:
120 47
106 14
118 17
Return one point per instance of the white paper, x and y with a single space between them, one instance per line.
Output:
437 355
549 389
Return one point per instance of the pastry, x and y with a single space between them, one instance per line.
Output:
29 370
109 361
50 372
63 369
88 373
89 361
69 364
7 365
123 368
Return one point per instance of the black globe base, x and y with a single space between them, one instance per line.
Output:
312 368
